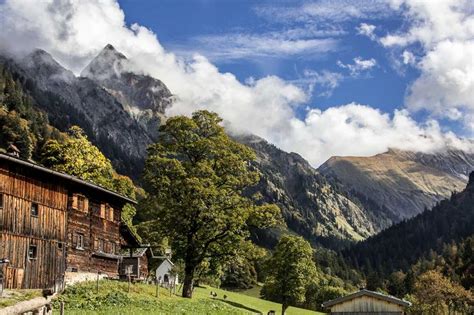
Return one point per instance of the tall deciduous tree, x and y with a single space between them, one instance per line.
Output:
291 270
195 176
77 156
436 294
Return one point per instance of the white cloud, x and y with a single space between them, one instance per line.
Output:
321 83
408 58
360 130
366 30
360 65
445 31
269 107
245 46
324 11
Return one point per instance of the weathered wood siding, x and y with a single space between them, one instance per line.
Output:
105 230
19 229
366 304
99 225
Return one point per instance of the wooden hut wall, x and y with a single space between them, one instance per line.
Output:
78 257
366 304
100 231
21 228
106 236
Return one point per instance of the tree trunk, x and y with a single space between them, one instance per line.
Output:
283 308
188 282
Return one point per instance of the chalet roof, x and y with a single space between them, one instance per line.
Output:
64 176
165 259
138 251
364 292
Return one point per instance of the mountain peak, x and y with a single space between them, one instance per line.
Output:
109 47
44 65
107 64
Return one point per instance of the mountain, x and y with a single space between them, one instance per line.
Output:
451 221
311 206
399 183
121 108
143 97
70 100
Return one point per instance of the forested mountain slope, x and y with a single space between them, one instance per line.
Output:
403 244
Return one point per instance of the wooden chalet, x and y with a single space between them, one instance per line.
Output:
51 223
365 302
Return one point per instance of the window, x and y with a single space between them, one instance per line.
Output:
34 209
79 241
101 245
1 201
32 252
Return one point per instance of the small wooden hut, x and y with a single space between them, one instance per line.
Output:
365 302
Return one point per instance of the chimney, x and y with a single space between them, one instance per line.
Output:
168 253
13 151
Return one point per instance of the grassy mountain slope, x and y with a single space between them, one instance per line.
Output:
401 184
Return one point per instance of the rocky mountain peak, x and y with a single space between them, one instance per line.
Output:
145 98
45 67
109 63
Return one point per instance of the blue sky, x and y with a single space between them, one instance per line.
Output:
180 24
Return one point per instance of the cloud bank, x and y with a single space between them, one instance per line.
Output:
267 106
445 31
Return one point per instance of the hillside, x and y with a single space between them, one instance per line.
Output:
401 184
113 298
402 245
68 100
311 206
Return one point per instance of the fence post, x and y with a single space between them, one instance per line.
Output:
97 286
61 308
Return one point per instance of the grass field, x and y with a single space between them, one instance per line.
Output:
113 298
11 297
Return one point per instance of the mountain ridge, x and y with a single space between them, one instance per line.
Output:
402 183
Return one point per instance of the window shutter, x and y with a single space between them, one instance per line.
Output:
86 205
111 213
74 201
102 211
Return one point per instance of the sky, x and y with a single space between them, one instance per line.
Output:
320 78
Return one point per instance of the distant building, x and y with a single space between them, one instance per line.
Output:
135 263
367 302
164 272
52 223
